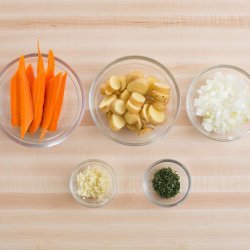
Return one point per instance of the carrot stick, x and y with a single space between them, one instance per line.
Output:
52 91
40 65
58 107
14 101
26 108
30 76
51 66
38 101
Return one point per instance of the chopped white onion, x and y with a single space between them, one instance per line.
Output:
223 103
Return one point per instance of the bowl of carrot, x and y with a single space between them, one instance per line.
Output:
41 100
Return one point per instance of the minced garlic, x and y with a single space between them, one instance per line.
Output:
93 182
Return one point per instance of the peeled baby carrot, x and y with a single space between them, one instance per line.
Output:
38 101
51 95
14 101
58 107
40 65
26 108
51 66
30 76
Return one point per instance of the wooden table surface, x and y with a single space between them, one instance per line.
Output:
36 209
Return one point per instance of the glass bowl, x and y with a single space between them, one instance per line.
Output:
122 66
192 94
72 110
185 183
92 202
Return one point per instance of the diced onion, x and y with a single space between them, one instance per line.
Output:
223 103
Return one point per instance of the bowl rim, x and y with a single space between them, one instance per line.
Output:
94 85
103 164
64 135
145 182
188 104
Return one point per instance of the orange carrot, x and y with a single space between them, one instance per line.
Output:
38 101
51 66
30 76
51 95
58 107
26 108
40 65
14 101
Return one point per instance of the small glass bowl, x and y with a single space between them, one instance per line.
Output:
185 181
192 94
122 66
92 202
72 109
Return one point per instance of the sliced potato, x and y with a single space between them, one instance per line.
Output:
151 80
139 123
114 83
106 103
139 85
133 75
108 90
123 83
161 88
145 131
131 118
137 99
108 115
103 88
124 95
116 122
155 116
162 106
131 127
160 96
118 107
132 108
143 113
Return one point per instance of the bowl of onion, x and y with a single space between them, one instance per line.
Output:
218 103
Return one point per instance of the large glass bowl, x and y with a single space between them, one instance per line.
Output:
72 109
192 94
122 66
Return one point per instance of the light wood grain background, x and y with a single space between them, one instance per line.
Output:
36 209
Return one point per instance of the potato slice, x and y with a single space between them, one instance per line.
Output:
155 116
116 122
143 113
139 85
151 80
162 106
133 75
131 127
103 88
108 115
123 83
145 131
118 107
161 97
161 88
106 103
139 123
137 99
131 118
124 95
113 83
108 90
132 108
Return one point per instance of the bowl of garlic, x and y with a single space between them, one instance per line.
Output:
134 100
218 103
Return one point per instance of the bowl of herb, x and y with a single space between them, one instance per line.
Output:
167 183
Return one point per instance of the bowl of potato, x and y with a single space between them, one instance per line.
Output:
134 100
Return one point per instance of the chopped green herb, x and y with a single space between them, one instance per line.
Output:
166 182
